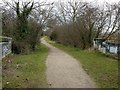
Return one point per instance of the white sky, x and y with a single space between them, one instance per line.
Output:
100 1
97 1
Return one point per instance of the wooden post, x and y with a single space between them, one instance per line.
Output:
0 52
0 34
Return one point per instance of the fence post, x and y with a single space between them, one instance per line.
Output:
1 51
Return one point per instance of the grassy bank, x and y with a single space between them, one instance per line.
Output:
101 68
25 71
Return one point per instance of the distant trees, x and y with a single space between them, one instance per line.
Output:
70 23
80 22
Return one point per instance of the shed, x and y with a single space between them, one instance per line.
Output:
5 46
113 48
97 42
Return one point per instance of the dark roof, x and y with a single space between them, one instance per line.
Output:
100 40
115 44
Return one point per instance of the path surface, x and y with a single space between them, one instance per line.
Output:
63 71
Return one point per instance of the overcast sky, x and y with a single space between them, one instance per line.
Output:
97 1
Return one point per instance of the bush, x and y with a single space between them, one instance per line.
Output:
53 36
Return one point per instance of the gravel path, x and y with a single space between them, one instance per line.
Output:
63 71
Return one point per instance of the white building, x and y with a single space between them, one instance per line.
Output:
106 47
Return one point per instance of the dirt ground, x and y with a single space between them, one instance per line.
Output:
63 71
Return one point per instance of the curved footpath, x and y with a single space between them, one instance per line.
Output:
63 71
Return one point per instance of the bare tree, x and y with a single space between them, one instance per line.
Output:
27 14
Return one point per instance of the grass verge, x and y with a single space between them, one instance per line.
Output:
25 71
102 69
